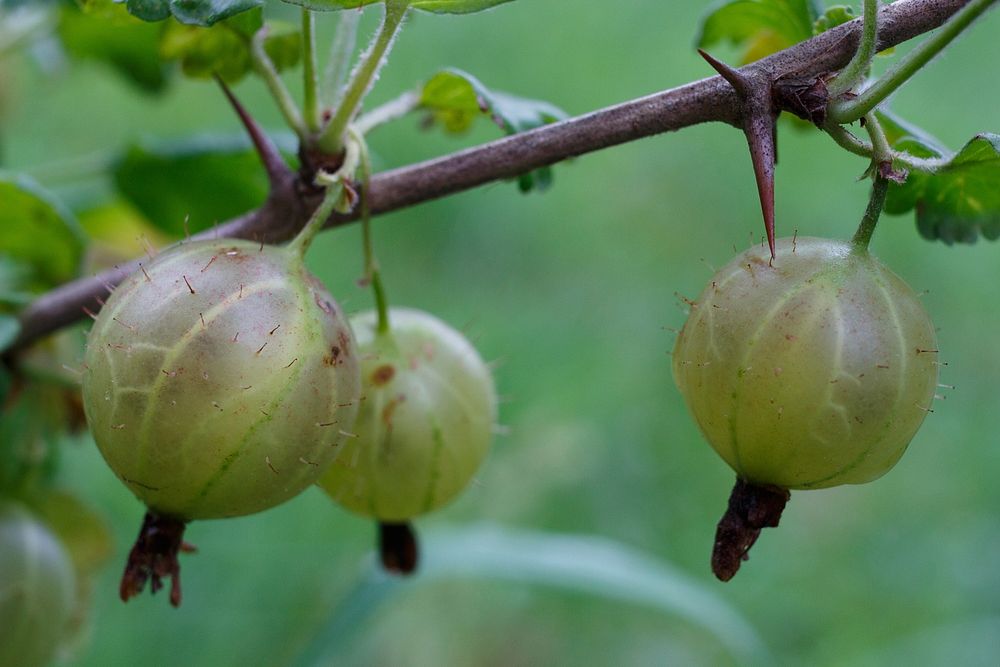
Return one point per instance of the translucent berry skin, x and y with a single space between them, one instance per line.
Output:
219 378
426 420
814 372
37 589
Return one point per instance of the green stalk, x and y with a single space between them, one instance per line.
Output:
856 70
880 185
845 139
341 50
848 111
332 138
372 273
265 68
863 236
309 102
300 244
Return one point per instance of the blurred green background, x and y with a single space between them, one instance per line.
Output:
574 292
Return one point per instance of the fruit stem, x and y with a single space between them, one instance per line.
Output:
337 198
881 170
848 111
856 70
310 106
863 236
372 274
751 508
332 138
398 549
265 69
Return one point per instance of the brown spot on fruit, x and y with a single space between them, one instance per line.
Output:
383 374
332 358
390 408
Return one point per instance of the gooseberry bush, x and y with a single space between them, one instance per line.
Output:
218 377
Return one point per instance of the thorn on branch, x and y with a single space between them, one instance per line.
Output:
758 116
274 164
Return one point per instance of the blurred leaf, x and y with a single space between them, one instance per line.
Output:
191 12
9 328
834 16
5 384
435 6
105 31
118 232
224 49
761 26
456 6
207 179
582 564
14 278
456 99
38 232
82 531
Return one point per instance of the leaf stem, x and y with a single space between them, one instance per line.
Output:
341 50
310 106
332 138
848 111
855 71
845 139
265 68
388 112
372 273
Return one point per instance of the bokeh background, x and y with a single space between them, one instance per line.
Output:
574 292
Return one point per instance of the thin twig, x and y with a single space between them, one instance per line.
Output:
288 208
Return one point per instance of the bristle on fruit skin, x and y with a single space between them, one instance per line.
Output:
210 369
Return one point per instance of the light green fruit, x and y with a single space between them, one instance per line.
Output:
810 373
426 419
36 590
219 379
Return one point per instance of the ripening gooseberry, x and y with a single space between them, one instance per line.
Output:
809 373
426 420
37 589
220 381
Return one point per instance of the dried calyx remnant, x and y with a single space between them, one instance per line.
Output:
154 556
398 548
752 507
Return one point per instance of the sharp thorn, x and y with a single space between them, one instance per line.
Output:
735 79
274 164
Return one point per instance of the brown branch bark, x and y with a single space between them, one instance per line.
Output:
289 206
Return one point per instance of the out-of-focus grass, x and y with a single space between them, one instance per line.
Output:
572 292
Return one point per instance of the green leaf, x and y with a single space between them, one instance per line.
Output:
206 178
455 99
762 27
9 329
456 6
224 48
958 202
191 12
834 16
104 31
577 563
38 232
435 6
